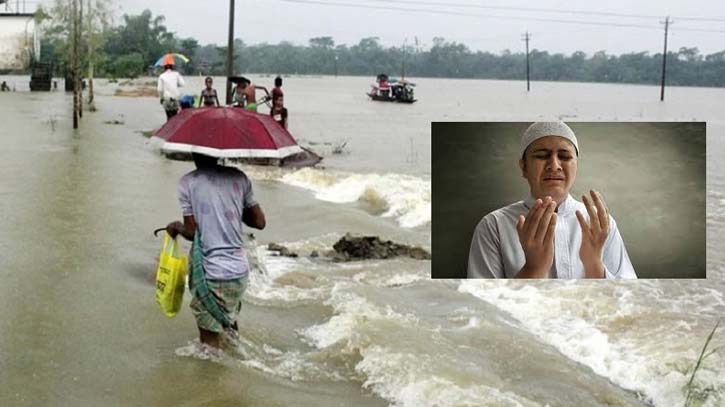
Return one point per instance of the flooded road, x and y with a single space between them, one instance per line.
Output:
79 325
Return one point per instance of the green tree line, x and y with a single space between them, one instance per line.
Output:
131 46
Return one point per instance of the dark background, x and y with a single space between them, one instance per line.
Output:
652 177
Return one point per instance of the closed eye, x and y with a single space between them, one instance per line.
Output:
563 156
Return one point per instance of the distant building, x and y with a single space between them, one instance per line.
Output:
19 41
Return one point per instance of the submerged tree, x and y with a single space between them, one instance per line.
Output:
57 25
98 24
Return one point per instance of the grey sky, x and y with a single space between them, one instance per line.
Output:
273 21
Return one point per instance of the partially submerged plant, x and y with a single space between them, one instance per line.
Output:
412 157
339 147
702 357
52 120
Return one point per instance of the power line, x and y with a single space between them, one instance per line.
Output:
545 10
717 19
542 10
699 30
518 18
454 13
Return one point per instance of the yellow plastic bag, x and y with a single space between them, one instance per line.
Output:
170 277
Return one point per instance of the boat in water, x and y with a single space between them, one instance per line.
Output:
392 90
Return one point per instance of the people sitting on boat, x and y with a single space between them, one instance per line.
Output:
403 91
209 95
383 86
278 111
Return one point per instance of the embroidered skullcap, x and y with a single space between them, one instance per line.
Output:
544 129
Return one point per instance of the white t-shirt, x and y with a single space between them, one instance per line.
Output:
169 83
217 197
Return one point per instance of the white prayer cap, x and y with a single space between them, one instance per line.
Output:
544 129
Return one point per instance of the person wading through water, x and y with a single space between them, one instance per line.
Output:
250 93
168 87
278 111
209 96
215 201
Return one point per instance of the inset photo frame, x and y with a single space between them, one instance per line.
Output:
518 200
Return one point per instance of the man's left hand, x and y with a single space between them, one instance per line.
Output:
594 234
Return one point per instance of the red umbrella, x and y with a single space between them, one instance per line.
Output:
226 132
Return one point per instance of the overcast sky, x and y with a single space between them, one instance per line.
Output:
491 29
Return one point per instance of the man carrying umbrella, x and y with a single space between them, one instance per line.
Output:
168 88
215 201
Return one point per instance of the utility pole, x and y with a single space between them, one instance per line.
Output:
230 52
405 43
667 23
79 80
526 38
91 103
74 61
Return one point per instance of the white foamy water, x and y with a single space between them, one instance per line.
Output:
403 197
392 369
396 280
637 334
397 377
293 365
268 285
353 311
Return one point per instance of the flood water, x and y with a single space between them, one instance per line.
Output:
79 325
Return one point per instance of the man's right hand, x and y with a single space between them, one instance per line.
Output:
174 228
536 235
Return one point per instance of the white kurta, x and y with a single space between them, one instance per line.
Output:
497 253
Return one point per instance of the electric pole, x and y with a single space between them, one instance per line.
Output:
74 60
230 52
405 44
91 103
667 23
79 79
526 38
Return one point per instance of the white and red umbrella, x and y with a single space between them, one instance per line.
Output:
226 132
